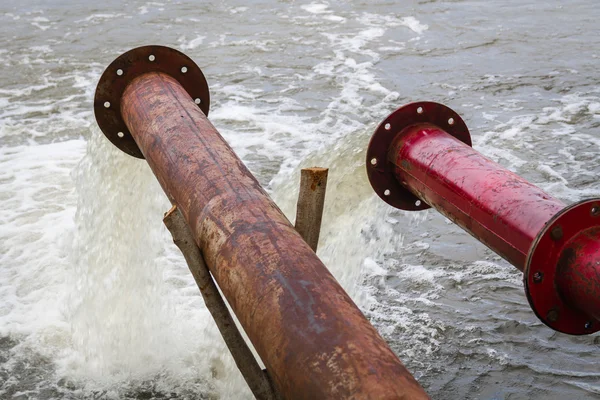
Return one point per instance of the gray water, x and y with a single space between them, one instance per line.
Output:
95 301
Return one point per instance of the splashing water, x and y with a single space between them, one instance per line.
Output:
95 300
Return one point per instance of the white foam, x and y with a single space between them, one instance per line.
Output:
37 194
334 18
316 8
99 17
372 268
40 26
83 290
414 25
192 44
238 10
45 49
420 273
550 174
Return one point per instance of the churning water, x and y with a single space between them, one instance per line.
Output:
95 301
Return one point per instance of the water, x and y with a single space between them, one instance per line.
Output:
95 301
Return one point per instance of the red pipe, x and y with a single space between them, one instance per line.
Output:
499 208
577 277
420 156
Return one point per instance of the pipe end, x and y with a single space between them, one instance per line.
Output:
127 67
543 268
381 172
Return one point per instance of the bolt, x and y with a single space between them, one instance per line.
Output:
538 277
556 233
552 315
588 325
595 211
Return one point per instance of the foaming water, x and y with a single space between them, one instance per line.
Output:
95 300
118 258
137 322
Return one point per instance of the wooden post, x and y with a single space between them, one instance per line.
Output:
309 211
255 377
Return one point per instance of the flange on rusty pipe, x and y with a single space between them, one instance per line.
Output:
420 156
152 102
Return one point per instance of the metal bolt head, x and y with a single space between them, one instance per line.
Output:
556 233
552 315
595 211
588 325
538 277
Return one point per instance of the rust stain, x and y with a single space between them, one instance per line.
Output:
314 341
316 177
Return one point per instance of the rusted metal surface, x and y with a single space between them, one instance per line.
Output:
313 340
425 147
258 382
128 66
311 199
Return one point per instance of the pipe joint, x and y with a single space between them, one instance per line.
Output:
421 156
393 130
562 274
124 70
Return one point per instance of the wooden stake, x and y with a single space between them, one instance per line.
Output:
309 211
255 377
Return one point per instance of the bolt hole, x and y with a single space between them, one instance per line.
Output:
107 104
120 134
595 211
197 100
451 121
418 203
588 325
183 70
420 110
373 161
119 72
388 127
151 57
556 233
387 192
552 315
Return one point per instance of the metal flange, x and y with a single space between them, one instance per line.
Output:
381 172
127 67
543 263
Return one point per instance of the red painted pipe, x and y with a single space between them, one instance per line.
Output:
577 277
420 156
499 208
315 343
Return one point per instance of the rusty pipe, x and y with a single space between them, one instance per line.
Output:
313 340
420 157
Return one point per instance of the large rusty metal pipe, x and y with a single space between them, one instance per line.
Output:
313 340
420 156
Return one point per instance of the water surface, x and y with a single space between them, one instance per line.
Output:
95 301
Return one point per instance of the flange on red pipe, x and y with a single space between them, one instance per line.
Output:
421 156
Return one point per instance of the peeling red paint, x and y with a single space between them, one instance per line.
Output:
430 160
